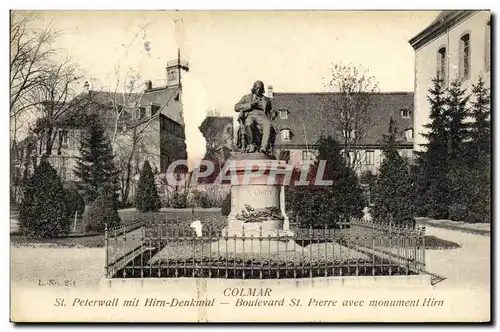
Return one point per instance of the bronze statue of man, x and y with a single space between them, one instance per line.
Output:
255 113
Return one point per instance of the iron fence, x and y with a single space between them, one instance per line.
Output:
171 248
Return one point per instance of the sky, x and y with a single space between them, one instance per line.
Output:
228 50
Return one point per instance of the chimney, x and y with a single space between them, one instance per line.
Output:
86 87
270 92
148 85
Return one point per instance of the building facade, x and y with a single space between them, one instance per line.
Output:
456 45
149 126
304 117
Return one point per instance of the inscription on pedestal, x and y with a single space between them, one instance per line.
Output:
259 192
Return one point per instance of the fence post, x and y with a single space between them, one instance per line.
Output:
423 248
74 223
106 250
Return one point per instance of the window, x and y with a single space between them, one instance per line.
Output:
285 135
306 155
487 52
441 63
64 137
72 138
172 74
138 113
370 157
465 56
409 134
283 114
348 133
405 113
352 156
154 109
284 155
345 114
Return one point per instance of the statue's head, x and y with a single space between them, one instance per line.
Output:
258 88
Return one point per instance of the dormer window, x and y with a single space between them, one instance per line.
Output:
283 114
285 135
405 113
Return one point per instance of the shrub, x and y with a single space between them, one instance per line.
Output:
178 200
201 199
147 198
458 212
102 212
74 201
43 212
226 205
210 196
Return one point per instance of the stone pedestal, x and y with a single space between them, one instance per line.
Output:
257 220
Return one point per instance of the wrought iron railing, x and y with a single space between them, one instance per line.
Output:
171 248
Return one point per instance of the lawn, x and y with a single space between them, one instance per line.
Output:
177 221
473 228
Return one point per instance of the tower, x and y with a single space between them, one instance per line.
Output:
174 70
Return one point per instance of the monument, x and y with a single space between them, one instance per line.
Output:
257 221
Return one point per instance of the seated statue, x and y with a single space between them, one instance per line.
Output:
256 132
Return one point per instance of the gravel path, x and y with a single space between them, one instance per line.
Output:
468 266
29 264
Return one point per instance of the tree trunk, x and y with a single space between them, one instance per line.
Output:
49 141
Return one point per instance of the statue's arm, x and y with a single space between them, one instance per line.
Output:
269 110
242 106
268 105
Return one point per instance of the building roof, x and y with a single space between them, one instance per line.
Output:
161 96
309 116
444 20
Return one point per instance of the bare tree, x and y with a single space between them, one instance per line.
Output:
54 96
218 135
349 103
31 50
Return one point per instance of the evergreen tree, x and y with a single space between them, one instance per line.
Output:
480 207
393 192
95 167
146 198
456 114
431 178
44 212
320 206
470 178
480 132
102 212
